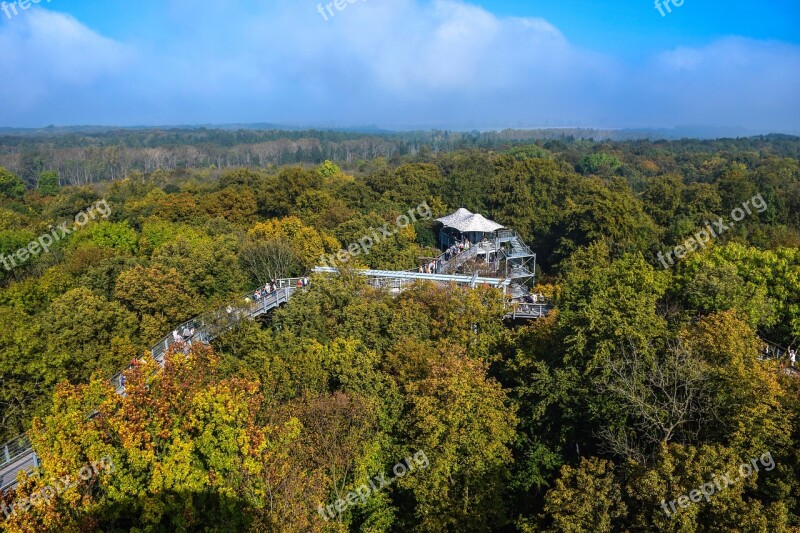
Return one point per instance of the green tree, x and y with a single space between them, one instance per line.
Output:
86 333
159 296
585 498
462 422
11 186
49 183
599 164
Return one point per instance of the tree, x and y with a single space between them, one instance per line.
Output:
188 449
86 333
10 184
328 169
665 398
600 164
26 378
585 498
460 419
307 244
662 198
264 261
605 303
749 401
652 493
158 296
49 183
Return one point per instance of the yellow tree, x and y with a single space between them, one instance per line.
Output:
189 450
307 244
461 420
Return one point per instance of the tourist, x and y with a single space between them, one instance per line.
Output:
792 356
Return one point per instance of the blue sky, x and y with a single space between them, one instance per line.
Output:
403 63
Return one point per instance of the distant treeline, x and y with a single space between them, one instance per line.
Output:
81 158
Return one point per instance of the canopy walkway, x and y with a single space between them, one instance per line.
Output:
18 455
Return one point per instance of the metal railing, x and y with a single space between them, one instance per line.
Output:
772 350
530 310
391 283
14 448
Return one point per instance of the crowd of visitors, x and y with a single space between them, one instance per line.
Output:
434 266
186 333
431 268
527 303
457 249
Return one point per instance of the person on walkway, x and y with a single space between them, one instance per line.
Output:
305 282
792 356
176 337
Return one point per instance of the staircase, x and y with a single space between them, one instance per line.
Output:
451 266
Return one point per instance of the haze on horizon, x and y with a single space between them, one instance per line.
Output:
403 63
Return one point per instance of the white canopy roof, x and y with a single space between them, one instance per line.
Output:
465 221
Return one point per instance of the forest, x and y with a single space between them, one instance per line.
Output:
634 405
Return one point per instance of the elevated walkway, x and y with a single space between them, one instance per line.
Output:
18 455
460 280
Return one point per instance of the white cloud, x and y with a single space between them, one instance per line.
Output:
389 62
47 53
